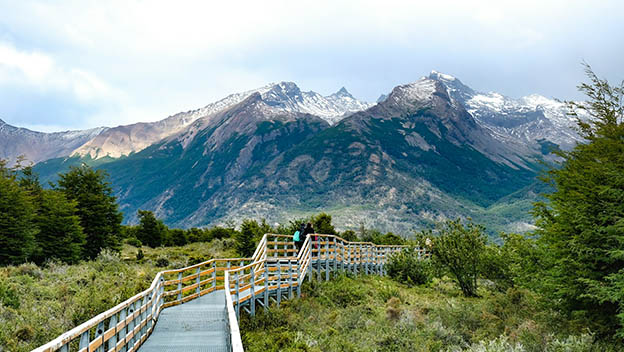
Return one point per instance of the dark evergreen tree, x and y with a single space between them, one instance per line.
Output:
97 207
17 229
246 238
581 228
60 234
151 231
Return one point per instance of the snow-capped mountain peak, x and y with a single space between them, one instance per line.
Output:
343 92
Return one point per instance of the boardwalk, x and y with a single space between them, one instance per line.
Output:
197 326
197 308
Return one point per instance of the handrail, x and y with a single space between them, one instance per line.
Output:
236 343
139 313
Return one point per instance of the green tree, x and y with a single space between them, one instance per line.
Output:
349 235
246 238
460 249
177 237
151 231
581 228
97 207
323 224
60 234
17 228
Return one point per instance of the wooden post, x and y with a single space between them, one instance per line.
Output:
290 277
326 259
342 257
98 332
237 294
279 283
143 315
318 258
377 262
361 263
299 280
112 323
335 255
350 260
64 348
266 285
214 275
130 326
179 286
198 280
84 340
122 333
161 299
253 291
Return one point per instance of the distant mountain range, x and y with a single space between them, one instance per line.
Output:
426 151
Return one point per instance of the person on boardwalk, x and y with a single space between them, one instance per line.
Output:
299 238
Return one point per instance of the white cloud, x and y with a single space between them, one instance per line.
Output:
40 71
143 60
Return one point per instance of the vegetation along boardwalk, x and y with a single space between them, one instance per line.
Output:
201 314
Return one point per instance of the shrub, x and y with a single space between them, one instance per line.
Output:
8 296
460 250
196 260
162 262
133 241
409 268
108 255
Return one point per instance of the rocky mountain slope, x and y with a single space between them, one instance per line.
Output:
425 152
39 146
121 141
530 120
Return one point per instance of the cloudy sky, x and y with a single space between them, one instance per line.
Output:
80 64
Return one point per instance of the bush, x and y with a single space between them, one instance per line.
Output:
133 241
407 267
349 235
460 250
162 262
8 296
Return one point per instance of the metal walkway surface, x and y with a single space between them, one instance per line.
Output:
197 326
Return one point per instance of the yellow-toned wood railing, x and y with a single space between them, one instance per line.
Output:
280 271
274 272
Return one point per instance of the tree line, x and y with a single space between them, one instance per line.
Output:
73 220
78 216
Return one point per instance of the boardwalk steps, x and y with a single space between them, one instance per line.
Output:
197 308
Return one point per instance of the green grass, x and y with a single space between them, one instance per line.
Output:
378 314
40 303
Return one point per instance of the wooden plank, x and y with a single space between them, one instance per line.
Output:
190 297
95 343
109 333
170 304
129 336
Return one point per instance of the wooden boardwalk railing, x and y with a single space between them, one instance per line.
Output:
275 272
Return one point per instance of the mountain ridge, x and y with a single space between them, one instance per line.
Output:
416 157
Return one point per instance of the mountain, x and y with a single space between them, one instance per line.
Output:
416 157
534 120
39 146
124 140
